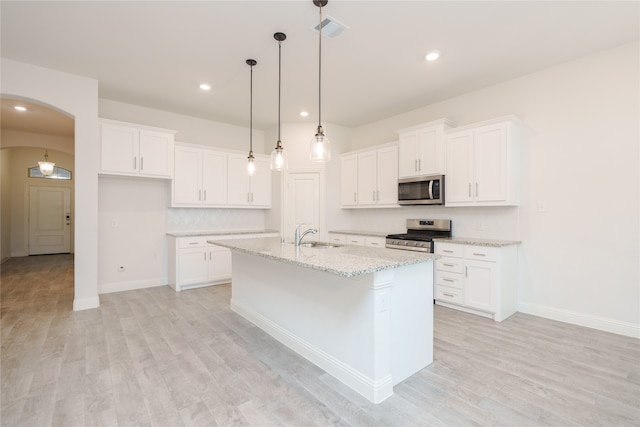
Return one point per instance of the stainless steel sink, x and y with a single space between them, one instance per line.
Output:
319 245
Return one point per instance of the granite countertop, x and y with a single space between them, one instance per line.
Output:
362 233
218 232
478 242
347 261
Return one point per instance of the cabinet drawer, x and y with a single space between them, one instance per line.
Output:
375 242
354 240
453 265
449 249
445 293
192 242
481 253
454 280
337 238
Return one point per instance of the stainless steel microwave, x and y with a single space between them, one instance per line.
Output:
421 190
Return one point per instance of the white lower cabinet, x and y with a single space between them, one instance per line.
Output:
477 279
194 263
357 239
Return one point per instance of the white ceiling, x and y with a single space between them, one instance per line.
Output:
155 54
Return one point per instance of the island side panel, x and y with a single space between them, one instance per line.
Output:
411 320
341 324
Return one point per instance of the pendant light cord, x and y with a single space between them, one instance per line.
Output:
279 82
251 111
320 70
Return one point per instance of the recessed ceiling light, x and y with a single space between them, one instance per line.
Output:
304 113
205 86
20 108
432 56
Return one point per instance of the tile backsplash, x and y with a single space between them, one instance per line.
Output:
198 219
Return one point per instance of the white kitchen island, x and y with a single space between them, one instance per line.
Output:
364 315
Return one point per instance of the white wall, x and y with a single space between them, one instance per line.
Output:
579 260
132 233
5 205
78 97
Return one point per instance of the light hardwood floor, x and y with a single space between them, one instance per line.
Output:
161 358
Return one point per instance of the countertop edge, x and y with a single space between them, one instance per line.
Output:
477 242
218 233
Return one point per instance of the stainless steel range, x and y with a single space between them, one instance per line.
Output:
420 234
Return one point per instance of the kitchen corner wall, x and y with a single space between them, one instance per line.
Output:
579 212
134 214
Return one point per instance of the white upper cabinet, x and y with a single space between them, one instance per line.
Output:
482 164
369 178
248 191
421 149
349 180
200 177
127 149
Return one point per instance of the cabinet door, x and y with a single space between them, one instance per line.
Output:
214 178
156 154
367 178
187 176
260 191
490 163
387 173
409 151
459 176
349 180
237 180
219 264
194 266
119 149
431 158
480 285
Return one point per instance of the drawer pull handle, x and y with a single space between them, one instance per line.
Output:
477 254
447 251
448 265
193 243
448 280
448 295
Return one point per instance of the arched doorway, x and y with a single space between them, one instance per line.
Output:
36 211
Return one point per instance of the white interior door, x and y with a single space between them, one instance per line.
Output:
302 202
49 220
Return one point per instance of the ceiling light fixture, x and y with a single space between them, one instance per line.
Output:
46 167
320 144
251 167
304 113
20 108
278 155
432 56
205 86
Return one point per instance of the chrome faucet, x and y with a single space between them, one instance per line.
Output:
298 237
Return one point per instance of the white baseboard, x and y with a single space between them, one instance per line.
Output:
86 303
581 319
375 391
107 288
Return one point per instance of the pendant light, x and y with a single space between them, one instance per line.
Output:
278 155
46 167
251 167
319 146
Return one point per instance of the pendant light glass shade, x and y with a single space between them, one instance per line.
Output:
46 167
278 155
320 146
251 166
